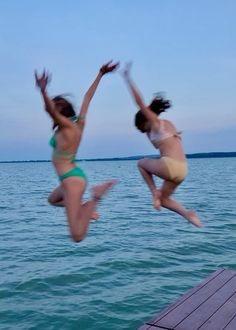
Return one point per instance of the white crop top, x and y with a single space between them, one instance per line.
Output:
157 136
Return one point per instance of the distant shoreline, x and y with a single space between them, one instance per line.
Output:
196 155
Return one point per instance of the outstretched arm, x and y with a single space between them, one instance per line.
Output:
106 68
42 83
149 114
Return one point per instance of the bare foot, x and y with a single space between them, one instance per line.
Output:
95 215
100 190
157 200
193 218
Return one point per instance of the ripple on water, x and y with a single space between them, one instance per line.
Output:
134 261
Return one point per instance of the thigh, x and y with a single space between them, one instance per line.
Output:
56 195
155 166
73 190
168 188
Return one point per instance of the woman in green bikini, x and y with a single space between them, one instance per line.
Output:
65 143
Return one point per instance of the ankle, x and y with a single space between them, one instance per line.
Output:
96 199
156 193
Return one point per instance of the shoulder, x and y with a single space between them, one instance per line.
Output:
157 125
167 123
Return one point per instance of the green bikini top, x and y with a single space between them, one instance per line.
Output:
60 154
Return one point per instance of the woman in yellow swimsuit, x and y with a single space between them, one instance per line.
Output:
172 165
65 142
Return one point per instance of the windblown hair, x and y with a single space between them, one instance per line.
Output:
65 105
158 105
139 119
66 108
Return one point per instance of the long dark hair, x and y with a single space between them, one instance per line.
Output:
67 108
157 105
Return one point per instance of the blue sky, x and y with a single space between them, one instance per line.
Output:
185 48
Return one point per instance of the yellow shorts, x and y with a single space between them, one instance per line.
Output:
177 169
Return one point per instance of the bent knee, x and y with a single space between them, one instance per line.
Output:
141 162
77 237
51 201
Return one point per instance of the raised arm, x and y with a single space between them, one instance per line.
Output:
149 114
42 83
106 68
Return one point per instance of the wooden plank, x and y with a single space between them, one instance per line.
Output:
186 307
184 297
151 327
200 315
221 318
154 327
231 325
144 327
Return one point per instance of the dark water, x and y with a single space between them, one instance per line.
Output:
134 261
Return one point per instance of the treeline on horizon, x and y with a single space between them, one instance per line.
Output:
196 155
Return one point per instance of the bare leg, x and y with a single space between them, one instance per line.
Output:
167 189
56 198
79 215
149 167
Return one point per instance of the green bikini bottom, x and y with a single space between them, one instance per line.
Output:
76 171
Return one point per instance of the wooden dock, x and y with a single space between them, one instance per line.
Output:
211 305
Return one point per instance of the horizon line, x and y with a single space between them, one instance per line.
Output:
214 154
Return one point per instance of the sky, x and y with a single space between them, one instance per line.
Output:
186 49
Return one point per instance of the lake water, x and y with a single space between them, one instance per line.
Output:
134 261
